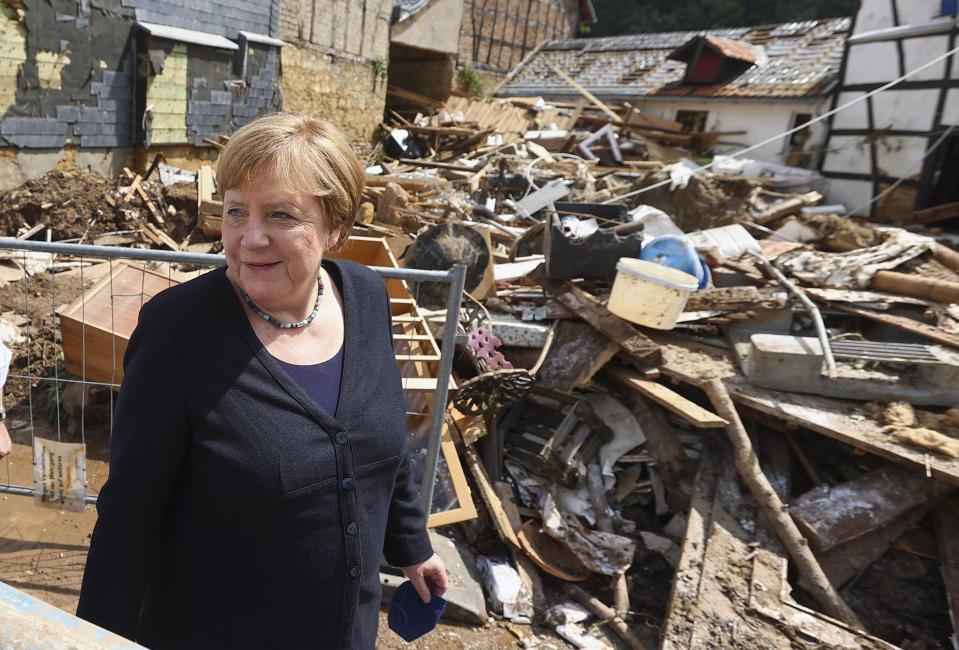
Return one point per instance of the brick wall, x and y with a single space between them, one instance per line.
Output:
497 34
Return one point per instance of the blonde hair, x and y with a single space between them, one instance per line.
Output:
301 153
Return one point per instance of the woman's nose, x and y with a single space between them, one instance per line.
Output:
254 235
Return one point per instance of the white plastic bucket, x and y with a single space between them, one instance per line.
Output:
649 294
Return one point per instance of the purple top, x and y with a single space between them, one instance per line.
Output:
321 381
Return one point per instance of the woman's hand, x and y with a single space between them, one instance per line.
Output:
427 576
6 444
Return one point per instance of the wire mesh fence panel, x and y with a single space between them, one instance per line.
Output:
69 319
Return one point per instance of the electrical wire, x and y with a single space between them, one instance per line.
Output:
814 120
889 189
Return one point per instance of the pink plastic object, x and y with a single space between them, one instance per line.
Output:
484 344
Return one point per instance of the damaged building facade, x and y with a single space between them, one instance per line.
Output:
746 84
105 83
906 136
434 42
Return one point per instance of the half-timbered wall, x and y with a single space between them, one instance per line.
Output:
893 135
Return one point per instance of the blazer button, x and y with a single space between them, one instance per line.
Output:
347 483
341 437
351 528
355 572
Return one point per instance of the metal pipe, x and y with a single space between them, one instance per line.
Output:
112 252
29 492
442 386
813 312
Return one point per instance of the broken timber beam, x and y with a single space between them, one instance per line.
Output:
752 474
937 213
605 613
409 184
916 285
788 206
637 346
668 398
616 119
831 516
500 519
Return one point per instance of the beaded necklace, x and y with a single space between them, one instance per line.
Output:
272 321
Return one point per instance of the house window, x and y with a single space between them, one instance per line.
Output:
798 138
692 121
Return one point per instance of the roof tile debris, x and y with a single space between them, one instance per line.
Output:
793 60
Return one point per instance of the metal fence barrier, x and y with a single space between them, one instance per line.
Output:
34 256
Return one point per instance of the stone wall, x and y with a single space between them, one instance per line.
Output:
347 92
332 64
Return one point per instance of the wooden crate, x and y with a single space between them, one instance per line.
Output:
97 326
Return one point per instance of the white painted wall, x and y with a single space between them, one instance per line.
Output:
760 120
912 110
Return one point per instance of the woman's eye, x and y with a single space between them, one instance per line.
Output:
233 212
282 215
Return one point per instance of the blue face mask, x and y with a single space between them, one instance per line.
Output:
409 616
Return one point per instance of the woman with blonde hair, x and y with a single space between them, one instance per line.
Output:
258 466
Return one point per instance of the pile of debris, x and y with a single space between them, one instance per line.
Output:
698 407
832 339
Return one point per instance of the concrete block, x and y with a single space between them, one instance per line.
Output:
10 175
33 164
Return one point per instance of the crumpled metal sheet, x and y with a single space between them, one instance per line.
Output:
854 269
605 553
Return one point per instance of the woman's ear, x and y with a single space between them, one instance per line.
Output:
332 238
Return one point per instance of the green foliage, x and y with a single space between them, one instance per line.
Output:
632 17
470 81
380 70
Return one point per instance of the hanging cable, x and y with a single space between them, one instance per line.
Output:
889 189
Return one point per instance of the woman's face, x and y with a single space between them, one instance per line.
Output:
274 240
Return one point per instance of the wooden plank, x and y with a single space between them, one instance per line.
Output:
832 515
908 324
588 95
493 505
688 410
637 117
937 213
464 496
133 188
162 236
730 588
848 560
421 384
410 184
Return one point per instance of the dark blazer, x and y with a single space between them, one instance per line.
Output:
238 513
